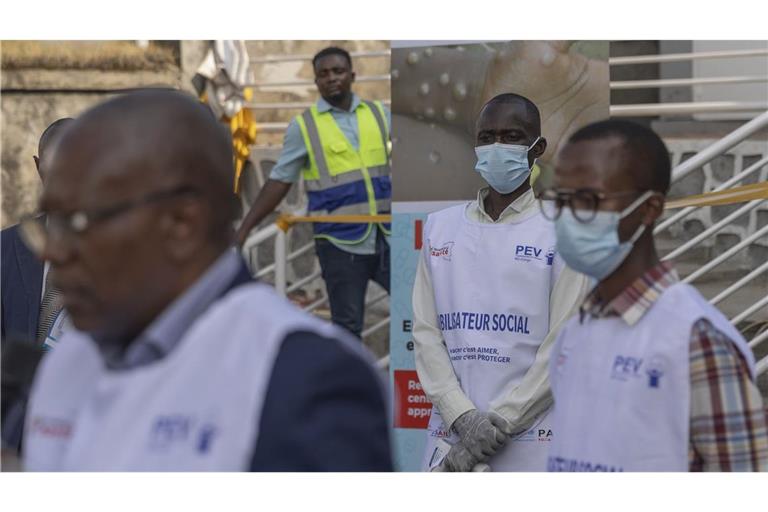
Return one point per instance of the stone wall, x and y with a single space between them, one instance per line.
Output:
31 99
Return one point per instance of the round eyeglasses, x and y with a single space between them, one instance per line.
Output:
584 203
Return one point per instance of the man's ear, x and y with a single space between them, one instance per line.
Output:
353 75
653 208
539 148
37 162
184 227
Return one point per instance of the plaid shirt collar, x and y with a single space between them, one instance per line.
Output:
637 298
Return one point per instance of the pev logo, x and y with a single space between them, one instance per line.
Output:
172 430
626 367
530 252
443 252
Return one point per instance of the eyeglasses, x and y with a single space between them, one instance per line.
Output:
584 203
37 230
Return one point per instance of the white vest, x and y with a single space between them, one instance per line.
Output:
197 409
622 393
492 284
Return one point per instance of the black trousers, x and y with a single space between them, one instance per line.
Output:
346 278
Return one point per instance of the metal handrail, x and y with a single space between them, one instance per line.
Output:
733 181
683 82
751 309
311 81
383 363
376 299
701 107
758 339
303 281
762 366
292 256
727 254
269 59
257 237
375 327
287 105
720 147
714 228
314 305
271 127
675 57
739 284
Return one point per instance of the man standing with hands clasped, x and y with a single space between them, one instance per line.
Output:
649 376
489 295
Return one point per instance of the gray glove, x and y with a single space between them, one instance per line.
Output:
479 435
458 459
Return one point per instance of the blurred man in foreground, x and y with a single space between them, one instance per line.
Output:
178 360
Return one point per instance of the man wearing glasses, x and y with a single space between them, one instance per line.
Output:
178 360
489 296
649 376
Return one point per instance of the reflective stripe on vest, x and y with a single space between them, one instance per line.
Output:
340 180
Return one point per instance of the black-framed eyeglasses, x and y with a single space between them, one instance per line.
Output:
584 203
36 230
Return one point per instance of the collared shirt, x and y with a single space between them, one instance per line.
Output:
728 424
294 157
522 404
165 332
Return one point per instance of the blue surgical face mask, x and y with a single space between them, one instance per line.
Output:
504 166
593 248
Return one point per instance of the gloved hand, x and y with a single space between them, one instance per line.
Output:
458 459
478 434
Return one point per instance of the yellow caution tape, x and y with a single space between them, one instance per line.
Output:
722 197
285 221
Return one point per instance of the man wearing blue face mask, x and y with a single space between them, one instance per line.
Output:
649 376
489 296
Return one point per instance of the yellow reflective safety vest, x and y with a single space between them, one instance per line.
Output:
341 180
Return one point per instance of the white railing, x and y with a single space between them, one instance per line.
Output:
677 57
700 107
685 82
698 161
309 81
287 105
270 59
279 268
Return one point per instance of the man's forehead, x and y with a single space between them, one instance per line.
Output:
333 60
603 160
505 116
87 161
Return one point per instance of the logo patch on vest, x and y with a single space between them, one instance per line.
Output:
443 252
172 430
51 427
529 253
655 371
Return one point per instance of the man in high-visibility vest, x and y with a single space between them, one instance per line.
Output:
339 147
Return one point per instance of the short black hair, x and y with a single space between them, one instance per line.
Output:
531 110
331 50
48 134
643 145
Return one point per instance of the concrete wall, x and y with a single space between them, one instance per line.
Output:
30 100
